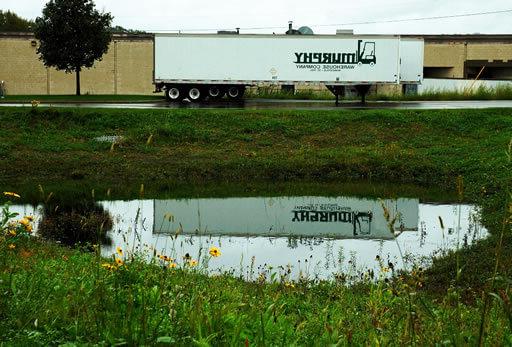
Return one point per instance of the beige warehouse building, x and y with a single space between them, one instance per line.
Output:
467 56
127 68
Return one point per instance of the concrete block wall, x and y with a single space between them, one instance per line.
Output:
490 52
127 68
20 68
446 55
134 67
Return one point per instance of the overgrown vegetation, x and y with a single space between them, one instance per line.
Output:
500 92
54 295
277 93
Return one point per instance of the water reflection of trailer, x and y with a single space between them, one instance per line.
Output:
338 217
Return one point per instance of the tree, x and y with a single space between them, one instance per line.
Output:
72 35
9 21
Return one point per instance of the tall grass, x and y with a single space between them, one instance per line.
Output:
53 295
500 92
269 92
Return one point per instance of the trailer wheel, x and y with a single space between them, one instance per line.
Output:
236 92
215 92
195 94
174 94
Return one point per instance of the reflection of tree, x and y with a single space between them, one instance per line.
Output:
83 222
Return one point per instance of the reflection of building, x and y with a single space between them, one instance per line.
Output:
338 217
127 68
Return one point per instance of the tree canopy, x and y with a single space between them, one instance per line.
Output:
73 35
120 30
9 21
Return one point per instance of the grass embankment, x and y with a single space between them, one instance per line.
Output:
58 295
420 147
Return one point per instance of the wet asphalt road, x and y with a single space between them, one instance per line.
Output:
256 104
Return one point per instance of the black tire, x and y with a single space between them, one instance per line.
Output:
195 94
235 92
215 92
174 93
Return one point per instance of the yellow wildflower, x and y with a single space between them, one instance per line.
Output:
12 232
24 221
28 228
106 266
12 246
289 285
214 252
119 251
11 194
173 265
119 261
192 263
29 218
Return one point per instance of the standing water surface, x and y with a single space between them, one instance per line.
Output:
308 236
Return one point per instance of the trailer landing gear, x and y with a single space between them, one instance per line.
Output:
337 91
362 90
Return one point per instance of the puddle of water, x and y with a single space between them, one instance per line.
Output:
311 236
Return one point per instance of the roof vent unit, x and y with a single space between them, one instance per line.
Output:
306 31
292 31
229 32
345 32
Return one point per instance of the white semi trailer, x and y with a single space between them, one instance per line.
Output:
199 66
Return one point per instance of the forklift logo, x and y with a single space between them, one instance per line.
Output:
364 55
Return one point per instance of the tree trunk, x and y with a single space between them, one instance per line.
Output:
78 80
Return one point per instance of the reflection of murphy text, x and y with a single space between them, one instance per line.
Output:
355 218
322 216
322 207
